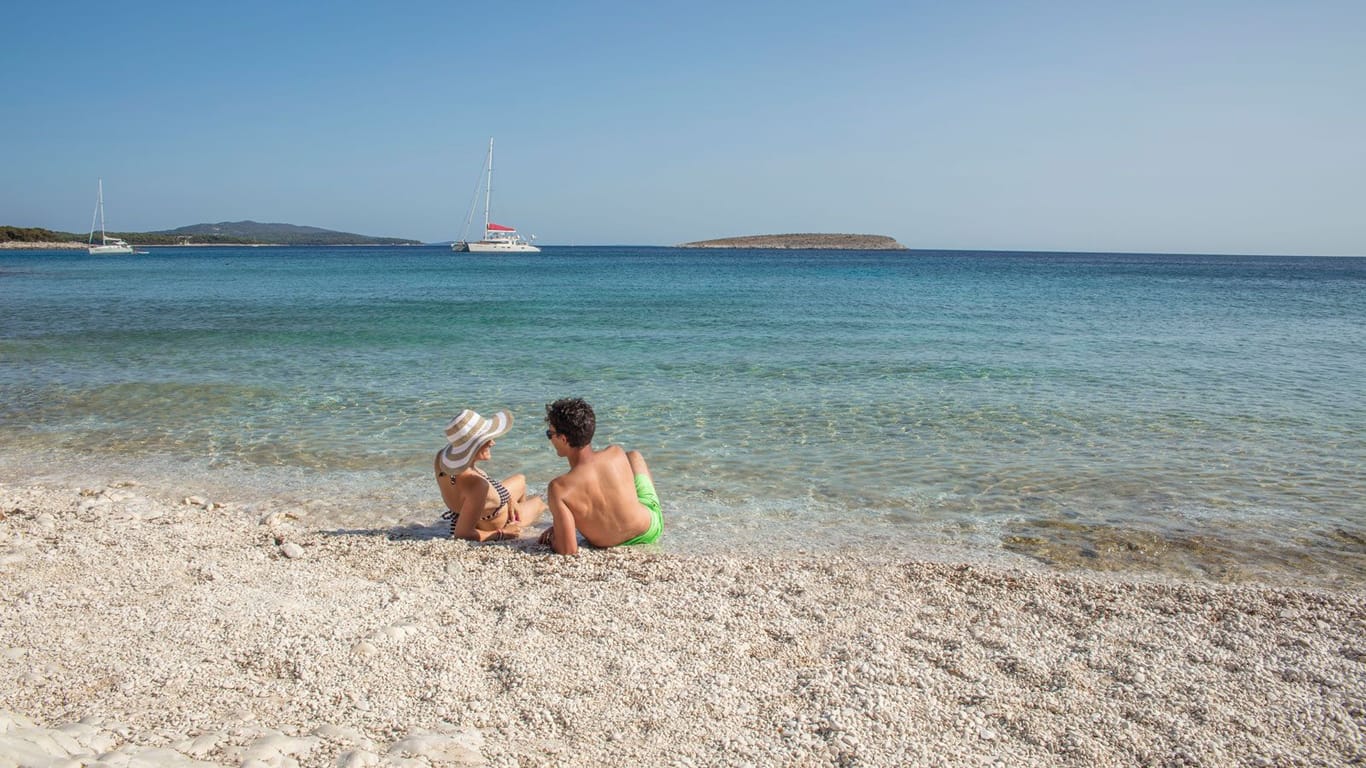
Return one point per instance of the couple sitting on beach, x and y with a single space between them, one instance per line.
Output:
607 495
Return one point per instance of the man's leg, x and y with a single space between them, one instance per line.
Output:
648 498
638 466
645 489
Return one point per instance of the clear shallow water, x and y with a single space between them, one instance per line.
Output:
1178 415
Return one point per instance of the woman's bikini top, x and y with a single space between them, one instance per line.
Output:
504 500
504 497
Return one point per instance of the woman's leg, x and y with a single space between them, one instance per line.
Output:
516 485
528 509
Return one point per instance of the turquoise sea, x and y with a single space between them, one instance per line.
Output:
1170 416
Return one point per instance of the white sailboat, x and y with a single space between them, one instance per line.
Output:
107 246
497 237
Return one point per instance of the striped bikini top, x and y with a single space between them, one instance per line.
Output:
504 497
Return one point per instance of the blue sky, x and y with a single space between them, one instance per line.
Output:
1208 127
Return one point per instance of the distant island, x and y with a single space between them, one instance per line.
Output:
814 241
252 233
222 233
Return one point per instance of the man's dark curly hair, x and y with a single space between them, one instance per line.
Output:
573 418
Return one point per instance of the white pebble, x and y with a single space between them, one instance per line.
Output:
202 745
275 518
461 747
399 630
357 758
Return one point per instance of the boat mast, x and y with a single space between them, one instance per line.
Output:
103 236
98 214
488 189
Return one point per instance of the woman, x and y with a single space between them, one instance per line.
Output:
479 507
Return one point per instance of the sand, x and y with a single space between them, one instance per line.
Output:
145 631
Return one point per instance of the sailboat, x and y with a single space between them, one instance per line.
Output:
497 237
107 246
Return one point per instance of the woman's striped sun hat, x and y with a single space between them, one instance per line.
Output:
466 433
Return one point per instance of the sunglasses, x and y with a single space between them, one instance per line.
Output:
550 434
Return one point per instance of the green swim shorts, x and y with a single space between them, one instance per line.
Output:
645 492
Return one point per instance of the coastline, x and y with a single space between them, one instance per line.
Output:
179 631
17 245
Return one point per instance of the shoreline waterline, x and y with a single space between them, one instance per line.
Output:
1076 547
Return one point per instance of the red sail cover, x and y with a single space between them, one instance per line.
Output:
500 228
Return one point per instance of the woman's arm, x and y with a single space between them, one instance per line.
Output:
475 490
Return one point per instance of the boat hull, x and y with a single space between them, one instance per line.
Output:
498 248
110 250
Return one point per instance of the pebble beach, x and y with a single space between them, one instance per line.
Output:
139 630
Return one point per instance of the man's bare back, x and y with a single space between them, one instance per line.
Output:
597 497
606 495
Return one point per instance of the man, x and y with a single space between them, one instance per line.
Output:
607 495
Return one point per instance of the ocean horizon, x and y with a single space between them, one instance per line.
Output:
908 251
1156 415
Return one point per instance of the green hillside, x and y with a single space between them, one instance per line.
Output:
280 234
36 235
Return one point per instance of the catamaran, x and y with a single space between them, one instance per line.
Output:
497 237
107 246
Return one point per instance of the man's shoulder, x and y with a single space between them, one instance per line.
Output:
562 483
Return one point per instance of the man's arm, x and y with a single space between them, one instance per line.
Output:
564 535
